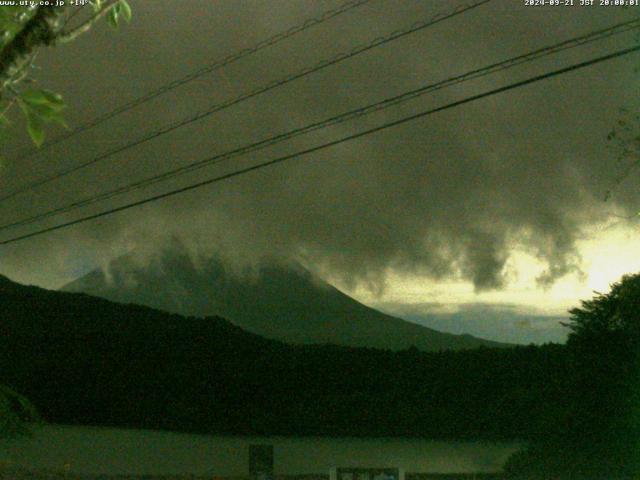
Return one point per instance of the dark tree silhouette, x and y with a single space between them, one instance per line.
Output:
614 316
16 413
599 435
84 360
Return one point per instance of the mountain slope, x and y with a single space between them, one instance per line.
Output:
283 303
86 360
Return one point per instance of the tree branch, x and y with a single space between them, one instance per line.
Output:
20 72
64 37
39 30
8 107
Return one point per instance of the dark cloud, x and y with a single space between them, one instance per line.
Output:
449 195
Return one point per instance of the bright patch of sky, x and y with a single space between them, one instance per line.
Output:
609 252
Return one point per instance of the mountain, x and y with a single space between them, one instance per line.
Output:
286 303
89 361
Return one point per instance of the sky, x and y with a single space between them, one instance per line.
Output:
497 203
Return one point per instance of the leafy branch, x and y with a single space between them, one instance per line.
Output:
41 107
112 9
23 30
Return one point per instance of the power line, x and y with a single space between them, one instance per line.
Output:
346 116
273 40
323 146
377 42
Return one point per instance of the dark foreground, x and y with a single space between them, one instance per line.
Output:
19 474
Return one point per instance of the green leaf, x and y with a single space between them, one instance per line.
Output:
35 127
45 111
112 16
43 97
125 10
54 98
41 107
97 5
48 114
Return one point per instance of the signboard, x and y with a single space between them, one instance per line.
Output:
348 473
261 462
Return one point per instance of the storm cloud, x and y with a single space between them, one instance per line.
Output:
448 196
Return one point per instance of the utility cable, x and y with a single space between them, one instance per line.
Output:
323 146
350 115
416 27
273 40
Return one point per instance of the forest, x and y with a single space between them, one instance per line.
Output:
87 361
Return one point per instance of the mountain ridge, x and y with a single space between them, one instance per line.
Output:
85 360
281 302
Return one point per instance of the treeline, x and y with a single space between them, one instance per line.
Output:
84 360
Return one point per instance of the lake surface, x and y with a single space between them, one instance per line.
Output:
118 451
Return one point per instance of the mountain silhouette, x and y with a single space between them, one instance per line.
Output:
282 302
89 361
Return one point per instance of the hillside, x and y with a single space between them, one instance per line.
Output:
86 360
286 303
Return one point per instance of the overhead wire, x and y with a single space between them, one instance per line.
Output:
308 151
217 107
343 117
229 59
